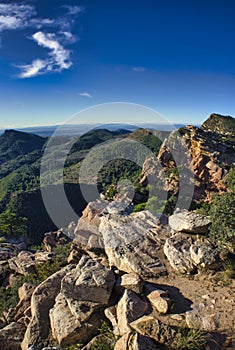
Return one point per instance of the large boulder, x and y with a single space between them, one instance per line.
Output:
89 281
190 222
177 251
43 299
127 245
184 254
76 314
11 336
74 321
155 329
129 308
205 255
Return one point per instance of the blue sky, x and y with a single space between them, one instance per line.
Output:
58 57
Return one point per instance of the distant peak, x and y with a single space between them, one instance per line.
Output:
222 124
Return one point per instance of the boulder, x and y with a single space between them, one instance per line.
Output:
25 293
205 255
160 301
74 321
129 308
186 221
89 281
23 263
76 315
127 246
111 314
135 342
42 301
130 281
11 336
155 329
176 249
196 318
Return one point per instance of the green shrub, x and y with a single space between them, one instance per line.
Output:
190 339
222 213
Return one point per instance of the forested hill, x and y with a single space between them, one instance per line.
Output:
16 143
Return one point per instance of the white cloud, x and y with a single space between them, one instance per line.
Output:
85 94
139 69
73 10
37 67
17 16
59 57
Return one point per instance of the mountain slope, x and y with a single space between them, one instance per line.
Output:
16 143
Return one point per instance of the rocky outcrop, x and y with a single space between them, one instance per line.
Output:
185 254
186 221
23 263
18 312
177 251
127 245
57 238
75 315
42 301
211 157
12 335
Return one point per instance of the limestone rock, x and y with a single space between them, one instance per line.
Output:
130 281
160 301
205 255
25 293
111 314
127 246
11 336
24 263
135 342
176 249
74 321
155 329
89 281
190 222
76 315
129 308
196 319
42 301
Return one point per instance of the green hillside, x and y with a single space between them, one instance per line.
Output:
16 143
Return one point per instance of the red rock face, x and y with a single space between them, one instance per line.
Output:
211 157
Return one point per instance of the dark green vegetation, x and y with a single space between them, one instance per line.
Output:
9 297
222 213
11 225
20 157
16 143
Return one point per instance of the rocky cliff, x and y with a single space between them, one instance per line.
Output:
211 158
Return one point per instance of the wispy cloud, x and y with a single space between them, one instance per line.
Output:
15 16
139 69
55 34
85 94
73 10
59 57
